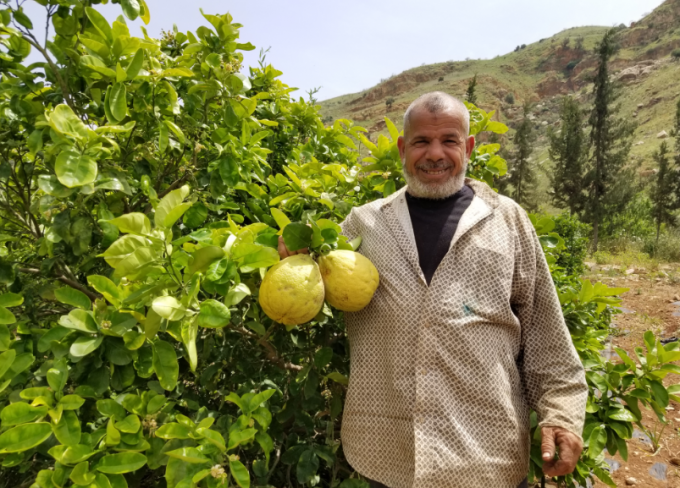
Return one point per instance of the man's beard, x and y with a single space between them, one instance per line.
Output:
436 191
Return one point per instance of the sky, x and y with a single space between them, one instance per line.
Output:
347 46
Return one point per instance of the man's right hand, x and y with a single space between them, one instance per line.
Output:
284 252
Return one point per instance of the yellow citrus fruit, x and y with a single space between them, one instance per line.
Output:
350 279
292 290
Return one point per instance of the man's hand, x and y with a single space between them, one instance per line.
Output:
284 252
570 447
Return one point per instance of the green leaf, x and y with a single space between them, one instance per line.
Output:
11 300
307 466
77 319
131 8
5 339
238 437
215 438
188 454
135 65
145 15
100 24
623 415
297 236
163 137
165 364
133 223
130 425
196 215
189 334
85 345
71 402
111 408
260 398
170 208
281 218
118 101
203 258
65 122
240 473
123 462
21 413
176 130
322 357
71 455
237 294
169 308
74 169
50 185
24 437
67 430
338 378
660 393
6 317
213 314
174 431
81 474
71 296
106 287
22 19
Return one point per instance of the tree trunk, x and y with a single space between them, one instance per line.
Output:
596 226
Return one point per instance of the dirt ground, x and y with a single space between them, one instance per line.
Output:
649 305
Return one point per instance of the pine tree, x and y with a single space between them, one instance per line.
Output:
522 173
568 151
665 193
609 180
470 94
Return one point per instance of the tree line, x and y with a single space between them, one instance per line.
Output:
592 175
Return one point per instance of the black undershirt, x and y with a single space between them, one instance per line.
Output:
434 224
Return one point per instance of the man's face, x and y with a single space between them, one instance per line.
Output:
435 151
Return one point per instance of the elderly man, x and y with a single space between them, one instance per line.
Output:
465 332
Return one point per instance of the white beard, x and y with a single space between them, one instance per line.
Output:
436 191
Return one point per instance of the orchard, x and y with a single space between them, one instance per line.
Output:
144 184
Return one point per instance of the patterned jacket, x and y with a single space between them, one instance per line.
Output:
442 377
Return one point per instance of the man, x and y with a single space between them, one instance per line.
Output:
465 332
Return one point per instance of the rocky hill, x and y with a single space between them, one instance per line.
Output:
541 73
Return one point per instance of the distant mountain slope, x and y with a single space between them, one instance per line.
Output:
540 73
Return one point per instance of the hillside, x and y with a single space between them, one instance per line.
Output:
541 73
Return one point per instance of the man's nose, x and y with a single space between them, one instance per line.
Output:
435 151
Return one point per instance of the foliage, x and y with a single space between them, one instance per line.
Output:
510 98
522 174
143 186
609 178
665 192
575 234
471 92
568 151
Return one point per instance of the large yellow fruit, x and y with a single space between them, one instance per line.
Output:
350 279
292 290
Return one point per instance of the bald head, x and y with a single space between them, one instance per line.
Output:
435 103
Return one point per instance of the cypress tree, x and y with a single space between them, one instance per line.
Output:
470 94
522 173
665 193
568 151
609 180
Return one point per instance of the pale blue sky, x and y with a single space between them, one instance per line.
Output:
347 46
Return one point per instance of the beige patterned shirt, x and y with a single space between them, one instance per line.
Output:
442 376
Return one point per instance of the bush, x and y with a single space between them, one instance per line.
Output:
675 54
510 98
575 234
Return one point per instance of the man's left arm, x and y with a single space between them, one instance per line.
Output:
553 375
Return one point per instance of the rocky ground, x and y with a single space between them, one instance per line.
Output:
652 303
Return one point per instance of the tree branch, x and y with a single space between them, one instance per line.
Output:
66 281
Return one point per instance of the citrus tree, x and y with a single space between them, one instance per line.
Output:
143 186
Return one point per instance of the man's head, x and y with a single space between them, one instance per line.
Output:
435 146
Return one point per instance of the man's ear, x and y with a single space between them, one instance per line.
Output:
401 144
469 146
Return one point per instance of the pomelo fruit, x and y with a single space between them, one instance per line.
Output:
292 291
350 279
